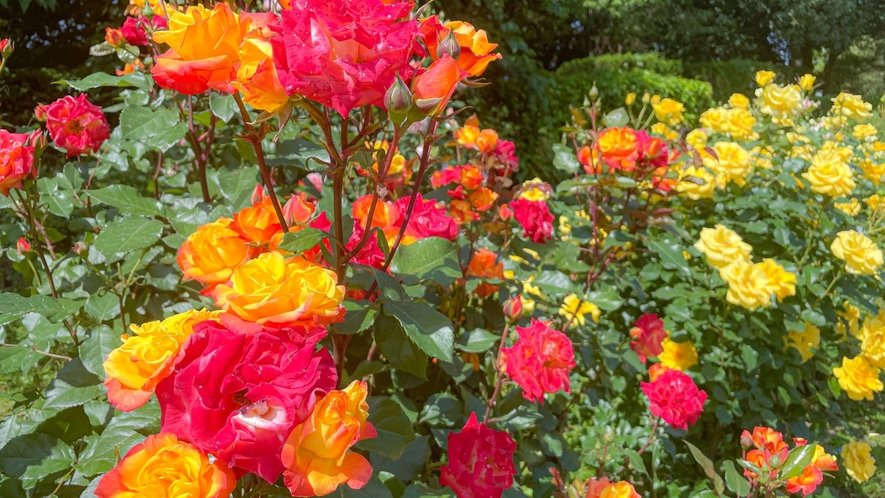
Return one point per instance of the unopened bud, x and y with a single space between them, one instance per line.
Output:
40 113
398 99
775 462
747 440
81 248
257 194
593 93
645 98
22 246
631 98
449 46
114 37
513 307
6 47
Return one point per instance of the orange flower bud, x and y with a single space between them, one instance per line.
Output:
114 37
316 454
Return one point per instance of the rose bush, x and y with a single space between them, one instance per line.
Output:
296 266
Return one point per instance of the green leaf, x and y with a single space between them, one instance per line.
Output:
394 428
35 456
736 483
429 329
127 200
103 307
608 299
373 489
616 118
636 460
707 465
441 410
96 80
95 349
433 258
128 234
302 240
237 185
478 341
73 386
397 348
670 252
796 461
50 307
160 129
359 317
223 106
408 465
100 454
554 282
565 159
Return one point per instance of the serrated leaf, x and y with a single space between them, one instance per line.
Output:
359 317
397 348
707 465
670 253
797 459
127 200
17 305
128 234
72 386
736 483
223 106
100 454
636 460
478 341
441 410
35 456
429 329
96 80
237 185
160 129
95 349
302 240
432 258
103 307
565 159
394 428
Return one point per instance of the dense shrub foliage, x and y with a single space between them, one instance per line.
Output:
289 263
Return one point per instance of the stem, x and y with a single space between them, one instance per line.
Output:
339 348
34 349
199 156
500 374
256 139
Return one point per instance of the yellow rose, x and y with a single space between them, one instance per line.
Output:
780 102
664 131
806 82
859 463
872 171
146 357
781 283
851 106
678 355
697 139
861 255
739 101
872 337
851 315
874 202
864 131
763 78
739 124
276 290
669 111
573 309
858 378
722 246
747 285
164 466
732 161
696 183
714 119
210 254
631 98
845 153
829 175
851 208
804 341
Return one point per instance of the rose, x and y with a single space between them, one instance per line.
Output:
781 283
134 29
722 246
858 378
204 48
851 106
427 220
147 357
678 355
257 77
211 254
804 341
343 54
780 102
16 159
317 453
696 183
861 255
475 49
732 162
829 174
618 148
75 124
649 333
239 389
539 361
763 78
621 489
668 111
485 264
164 466
872 337
674 397
271 289
434 87
859 464
806 482
258 223
748 285
480 461
535 218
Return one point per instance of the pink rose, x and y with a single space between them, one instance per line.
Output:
540 361
75 124
344 54
535 218
428 219
239 389
16 159
135 32
480 461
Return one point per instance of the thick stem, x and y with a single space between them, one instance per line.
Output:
199 156
339 348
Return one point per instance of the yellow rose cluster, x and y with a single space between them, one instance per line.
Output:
829 174
861 255
750 285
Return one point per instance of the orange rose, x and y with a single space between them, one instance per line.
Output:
482 199
210 254
483 265
271 289
114 37
474 45
471 177
462 211
433 88
146 357
204 48
618 148
257 77
385 214
467 135
316 454
164 466
487 140
258 223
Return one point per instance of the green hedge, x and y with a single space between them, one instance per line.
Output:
623 62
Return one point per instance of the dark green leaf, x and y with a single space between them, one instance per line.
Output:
565 159
736 483
358 318
397 348
160 129
73 386
96 80
670 252
95 349
14 304
796 461
429 329
103 307
128 234
441 410
433 258
393 427
477 341
302 240
127 200
707 465
222 105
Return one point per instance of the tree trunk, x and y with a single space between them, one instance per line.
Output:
827 76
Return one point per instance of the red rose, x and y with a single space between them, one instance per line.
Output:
75 124
344 54
540 360
535 218
428 220
675 398
480 461
135 32
238 389
649 333
16 159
